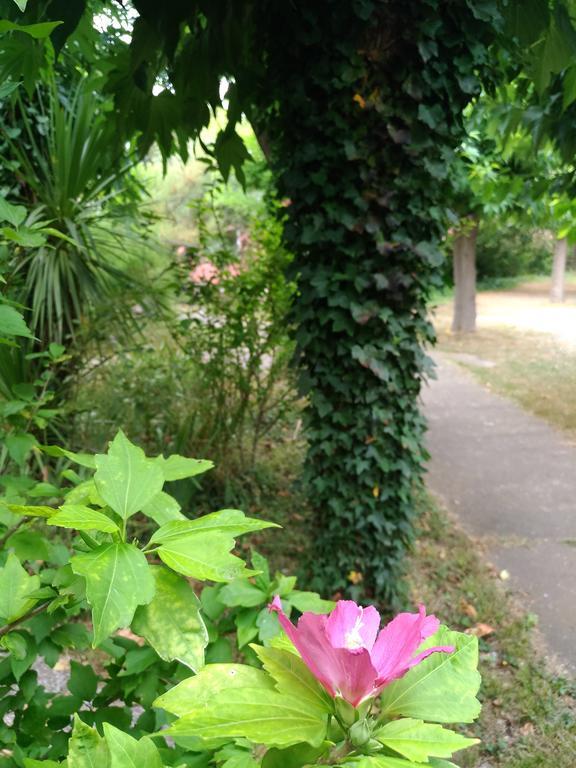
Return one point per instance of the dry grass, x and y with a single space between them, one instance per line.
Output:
533 369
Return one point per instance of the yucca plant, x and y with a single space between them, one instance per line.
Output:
76 178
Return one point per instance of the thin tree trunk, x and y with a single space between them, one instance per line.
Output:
464 319
559 270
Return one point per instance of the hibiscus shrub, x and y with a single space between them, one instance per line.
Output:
161 685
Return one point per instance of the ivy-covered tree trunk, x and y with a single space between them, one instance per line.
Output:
369 102
464 256
559 270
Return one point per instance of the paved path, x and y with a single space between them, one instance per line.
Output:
511 479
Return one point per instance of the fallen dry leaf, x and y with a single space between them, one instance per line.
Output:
481 630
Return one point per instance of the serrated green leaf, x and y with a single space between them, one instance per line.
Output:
310 601
417 740
180 467
263 716
118 580
293 678
380 761
83 519
84 459
125 478
171 623
201 548
241 593
294 757
163 508
15 589
87 749
197 691
443 687
127 752
28 510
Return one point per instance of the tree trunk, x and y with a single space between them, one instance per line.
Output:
559 270
464 319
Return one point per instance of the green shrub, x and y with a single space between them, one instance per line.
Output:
511 250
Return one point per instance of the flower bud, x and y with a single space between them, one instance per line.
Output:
360 733
347 714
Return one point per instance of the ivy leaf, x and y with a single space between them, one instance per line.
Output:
443 687
87 749
127 752
294 679
418 741
163 508
83 519
179 467
125 478
171 623
118 580
16 586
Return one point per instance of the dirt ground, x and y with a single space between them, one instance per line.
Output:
526 307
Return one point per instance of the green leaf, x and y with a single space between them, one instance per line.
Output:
294 679
263 716
125 478
84 459
31 511
14 214
171 623
443 687
241 593
83 681
127 752
87 749
380 761
231 521
201 548
310 601
179 467
21 4
19 446
15 589
37 31
197 691
12 323
294 757
26 237
83 519
118 580
30 763
163 508
418 741
527 20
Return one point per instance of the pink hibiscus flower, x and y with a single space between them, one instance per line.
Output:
349 656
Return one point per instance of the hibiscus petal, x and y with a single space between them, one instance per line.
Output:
351 626
349 674
398 641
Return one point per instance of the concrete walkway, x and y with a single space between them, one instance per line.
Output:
511 479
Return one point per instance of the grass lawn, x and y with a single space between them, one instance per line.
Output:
531 368
529 713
